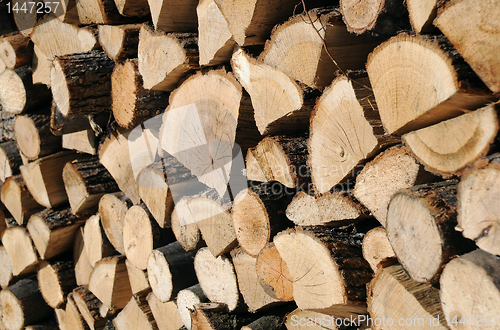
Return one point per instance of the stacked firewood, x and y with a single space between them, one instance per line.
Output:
273 164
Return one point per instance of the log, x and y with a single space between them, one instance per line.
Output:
186 300
10 159
41 66
17 199
53 231
422 15
83 141
7 24
60 316
170 270
258 214
95 240
217 278
130 8
81 83
166 314
138 278
476 206
16 50
6 277
83 269
478 130
377 249
273 274
60 125
22 254
132 104
448 87
136 314
119 41
86 180
391 287
174 15
112 208
88 305
186 232
164 59
56 281
67 12
22 304
214 316
6 126
425 211
72 316
303 319
269 322
99 12
26 18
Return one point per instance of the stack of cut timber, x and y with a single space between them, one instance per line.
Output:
254 165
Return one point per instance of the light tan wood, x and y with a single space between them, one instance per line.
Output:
34 137
95 240
166 314
130 8
98 12
88 305
174 15
273 274
186 300
60 316
185 230
67 12
119 41
56 280
422 14
15 50
20 249
72 317
112 208
17 199
25 20
302 319
136 314
7 126
138 278
41 66
377 249
10 159
82 141
83 269
6 277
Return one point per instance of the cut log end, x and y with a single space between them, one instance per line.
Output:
12 92
273 274
60 90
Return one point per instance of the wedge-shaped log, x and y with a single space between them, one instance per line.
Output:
422 14
136 314
88 305
83 268
131 8
20 249
112 209
119 41
166 314
95 240
273 274
10 159
174 15
186 300
186 231
138 278
18 200
56 280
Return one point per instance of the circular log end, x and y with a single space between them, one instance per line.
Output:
12 92
159 275
137 236
49 285
124 89
12 311
273 274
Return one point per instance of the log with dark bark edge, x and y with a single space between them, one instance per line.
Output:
214 316
6 277
25 19
6 125
215 41
345 131
17 92
83 268
17 199
474 38
266 322
170 269
217 278
132 104
477 206
22 304
95 240
273 274
56 280
22 254
329 209
88 305
391 287
478 130
302 319
377 249
53 231
72 317
278 101
44 180
130 8
83 141
373 188
285 50
186 300
10 159
112 208
138 278
443 86
81 83
174 15
34 137
100 12
166 314
60 125
141 235
60 314
16 50
120 41
67 12
185 230
425 211
327 268
109 282
422 14
41 67
136 314
86 180
259 213
164 59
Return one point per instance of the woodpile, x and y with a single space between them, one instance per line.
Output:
254 165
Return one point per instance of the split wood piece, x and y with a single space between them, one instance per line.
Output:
141 235
380 16
138 278
60 125
186 300
34 137
10 159
86 180
120 41
83 269
254 295
185 229
478 130
296 47
166 314
7 24
329 209
56 281
258 214
345 131
95 240
6 277
82 141
72 317
132 104
26 18
88 305
280 158
53 231
115 155
475 40
266 322
217 278
170 269
273 274
311 320
214 316
164 59
18 200
459 279
278 101
44 180
6 126
67 12
81 83
373 188
22 304
215 41
423 219
174 15
99 12
60 316
132 8
109 282
136 314
377 249
393 295
112 209
15 50
327 268
422 14
41 67
442 85
17 92
477 205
